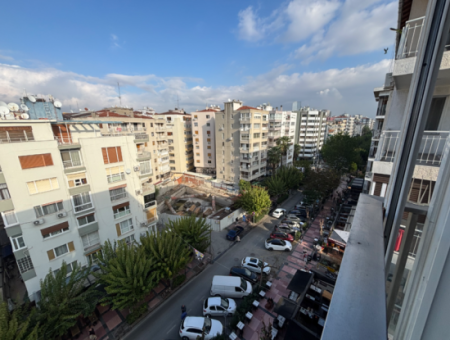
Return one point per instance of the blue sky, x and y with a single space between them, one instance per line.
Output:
326 53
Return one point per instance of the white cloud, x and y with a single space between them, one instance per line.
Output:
248 27
5 57
115 41
340 90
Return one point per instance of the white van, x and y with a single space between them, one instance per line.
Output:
230 286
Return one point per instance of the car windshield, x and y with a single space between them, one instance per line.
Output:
243 284
282 242
224 303
207 325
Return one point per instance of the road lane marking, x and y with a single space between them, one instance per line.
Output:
171 329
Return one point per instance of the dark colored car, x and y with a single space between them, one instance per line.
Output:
290 223
299 213
244 273
285 229
234 232
282 236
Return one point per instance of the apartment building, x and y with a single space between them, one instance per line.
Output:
67 187
281 124
204 135
404 225
179 134
241 142
310 131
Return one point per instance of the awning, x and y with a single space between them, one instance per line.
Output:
286 308
336 238
300 282
327 295
295 331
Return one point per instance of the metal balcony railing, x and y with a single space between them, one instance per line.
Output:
431 149
409 41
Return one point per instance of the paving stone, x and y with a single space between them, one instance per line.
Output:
159 288
156 301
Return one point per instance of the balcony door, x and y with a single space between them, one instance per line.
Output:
435 114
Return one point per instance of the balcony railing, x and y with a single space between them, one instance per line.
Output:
142 154
122 214
72 164
431 149
60 140
409 41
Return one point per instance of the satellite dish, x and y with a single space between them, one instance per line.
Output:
127 171
3 110
32 99
24 107
25 116
57 103
3 104
13 107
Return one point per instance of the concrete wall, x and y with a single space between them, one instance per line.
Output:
200 138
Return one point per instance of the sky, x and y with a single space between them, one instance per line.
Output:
328 54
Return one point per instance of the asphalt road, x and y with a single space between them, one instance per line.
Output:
164 322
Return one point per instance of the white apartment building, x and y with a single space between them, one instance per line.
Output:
281 124
204 136
66 188
310 131
241 142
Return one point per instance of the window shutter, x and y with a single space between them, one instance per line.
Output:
51 254
119 233
71 246
119 154
105 156
54 228
112 154
121 205
43 185
47 159
33 161
31 188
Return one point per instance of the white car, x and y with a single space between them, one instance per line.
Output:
255 265
294 218
277 213
217 306
276 244
191 327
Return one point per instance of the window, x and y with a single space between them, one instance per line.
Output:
197 147
93 257
122 210
195 116
112 155
60 251
208 147
208 140
118 193
209 155
195 124
17 243
145 168
209 162
10 218
4 192
42 185
71 158
82 202
197 154
197 161
115 174
25 264
84 220
207 124
207 116
223 136
128 240
56 232
256 135
172 168
75 180
35 161
47 209
124 227
90 239
70 267
196 132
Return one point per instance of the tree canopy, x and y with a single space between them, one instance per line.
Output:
256 200
244 185
320 183
16 325
194 231
274 157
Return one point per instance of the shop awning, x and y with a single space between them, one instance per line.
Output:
327 295
300 282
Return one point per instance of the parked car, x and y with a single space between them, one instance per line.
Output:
294 218
255 265
281 236
276 244
191 327
298 213
234 232
230 286
284 228
292 224
217 306
244 273
277 213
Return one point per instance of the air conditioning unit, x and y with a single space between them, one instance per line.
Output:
40 221
136 168
61 215
143 225
138 192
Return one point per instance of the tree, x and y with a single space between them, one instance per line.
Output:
339 151
276 185
319 184
128 276
244 185
256 200
297 149
16 325
284 143
64 299
291 177
169 252
194 231
274 157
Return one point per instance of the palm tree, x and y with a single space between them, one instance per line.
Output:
274 157
283 144
297 149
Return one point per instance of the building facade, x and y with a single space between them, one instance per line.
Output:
204 137
310 131
66 189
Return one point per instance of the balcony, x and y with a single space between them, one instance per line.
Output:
162 146
121 214
431 151
274 128
245 119
245 138
72 163
147 188
142 155
161 136
140 137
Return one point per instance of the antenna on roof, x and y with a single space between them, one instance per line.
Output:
178 104
120 97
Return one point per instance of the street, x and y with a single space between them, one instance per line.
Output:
164 322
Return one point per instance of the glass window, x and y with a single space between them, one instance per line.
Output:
43 185
17 243
117 194
115 174
126 226
90 239
25 264
128 239
120 212
71 158
4 192
82 202
42 210
145 168
75 180
86 220
10 218
61 250
57 232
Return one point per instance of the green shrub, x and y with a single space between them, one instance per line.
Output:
178 280
136 313
298 235
282 198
